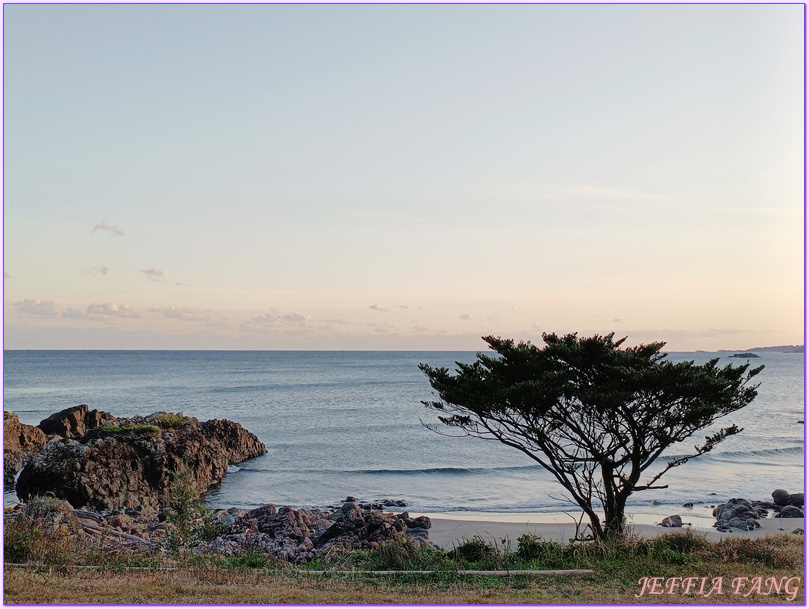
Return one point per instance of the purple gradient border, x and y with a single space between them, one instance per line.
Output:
2 577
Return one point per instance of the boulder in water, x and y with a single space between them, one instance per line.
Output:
133 463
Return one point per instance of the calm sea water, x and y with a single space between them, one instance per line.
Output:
351 423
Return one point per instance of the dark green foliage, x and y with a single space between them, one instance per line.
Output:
191 517
475 550
531 547
592 413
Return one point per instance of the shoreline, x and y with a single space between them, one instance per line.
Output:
449 530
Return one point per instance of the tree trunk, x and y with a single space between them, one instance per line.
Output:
614 504
614 521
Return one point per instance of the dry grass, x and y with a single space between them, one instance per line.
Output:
221 586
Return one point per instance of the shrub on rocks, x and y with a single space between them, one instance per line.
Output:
41 532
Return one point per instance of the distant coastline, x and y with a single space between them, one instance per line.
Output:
779 349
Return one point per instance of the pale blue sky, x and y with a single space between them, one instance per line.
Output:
402 177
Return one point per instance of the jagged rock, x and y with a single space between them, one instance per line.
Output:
789 511
733 507
672 521
74 422
796 500
296 536
780 497
136 465
797 531
19 441
688 505
302 535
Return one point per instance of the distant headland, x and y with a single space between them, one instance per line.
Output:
779 349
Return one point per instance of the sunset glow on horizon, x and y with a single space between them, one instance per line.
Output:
402 177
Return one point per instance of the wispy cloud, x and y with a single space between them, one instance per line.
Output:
37 308
376 307
71 313
154 274
466 316
97 270
184 313
111 309
112 230
269 320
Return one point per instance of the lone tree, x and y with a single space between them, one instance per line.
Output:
593 414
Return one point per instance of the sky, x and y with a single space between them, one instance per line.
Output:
402 177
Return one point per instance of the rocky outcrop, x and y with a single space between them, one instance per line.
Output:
789 511
742 514
296 536
74 422
301 536
782 498
738 514
19 441
135 462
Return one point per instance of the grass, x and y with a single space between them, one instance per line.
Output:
170 420
54 553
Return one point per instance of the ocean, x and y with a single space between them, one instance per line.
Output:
352 423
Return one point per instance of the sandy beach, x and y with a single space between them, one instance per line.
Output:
448 531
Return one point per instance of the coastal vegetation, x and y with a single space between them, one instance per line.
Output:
595 415
170 420
62 568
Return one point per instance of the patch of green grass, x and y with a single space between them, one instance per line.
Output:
170 420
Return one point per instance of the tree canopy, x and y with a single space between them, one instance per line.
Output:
595 415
